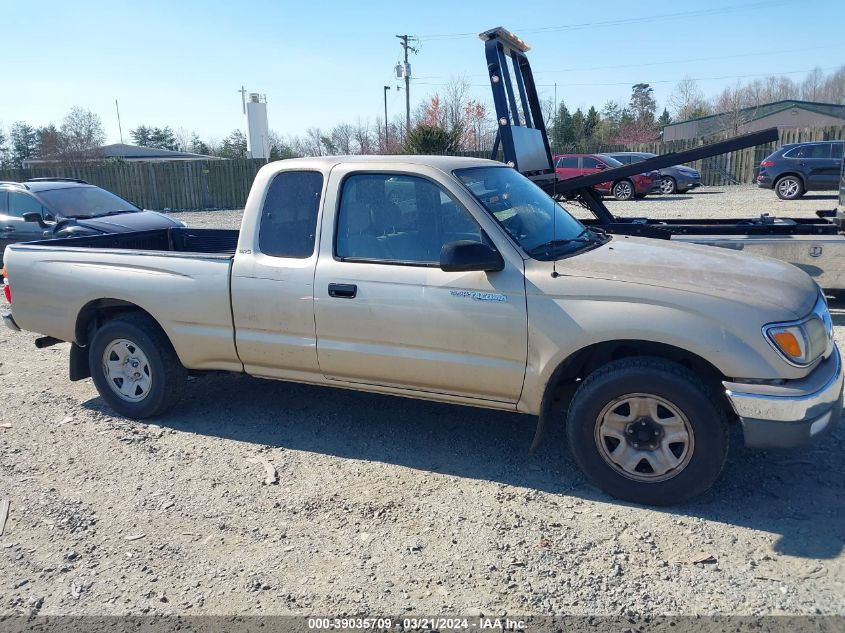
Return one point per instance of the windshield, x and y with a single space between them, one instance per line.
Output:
542 227
85 202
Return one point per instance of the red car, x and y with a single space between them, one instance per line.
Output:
572 165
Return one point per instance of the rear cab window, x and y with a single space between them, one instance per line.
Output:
289 214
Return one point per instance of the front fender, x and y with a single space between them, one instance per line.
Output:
561 327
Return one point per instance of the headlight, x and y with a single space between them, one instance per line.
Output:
802 342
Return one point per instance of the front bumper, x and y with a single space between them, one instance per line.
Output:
686 182
792 414
9 320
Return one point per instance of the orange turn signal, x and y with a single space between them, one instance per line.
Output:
788 343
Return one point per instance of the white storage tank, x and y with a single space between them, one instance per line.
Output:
257 130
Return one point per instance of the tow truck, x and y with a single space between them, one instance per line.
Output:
815 245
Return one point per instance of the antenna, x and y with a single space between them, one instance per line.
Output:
554 225
119 126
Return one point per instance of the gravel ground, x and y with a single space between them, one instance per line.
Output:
385 505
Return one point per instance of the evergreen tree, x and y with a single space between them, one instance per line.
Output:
141 135
234 145
23 142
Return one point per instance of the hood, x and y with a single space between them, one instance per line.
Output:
125 222
704 270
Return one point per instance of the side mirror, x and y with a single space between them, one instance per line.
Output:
34 216
601 166
465 256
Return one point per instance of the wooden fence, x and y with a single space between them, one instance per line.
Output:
225 184
173 186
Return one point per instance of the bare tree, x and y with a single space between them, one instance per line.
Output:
184 139
813 85
81 133
342 138
455 97
687 101
833 90
363 137
734 110
313 142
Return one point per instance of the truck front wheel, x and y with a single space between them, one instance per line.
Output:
647 430
135 368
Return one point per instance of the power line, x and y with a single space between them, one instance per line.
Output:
661 63
633 20
654 81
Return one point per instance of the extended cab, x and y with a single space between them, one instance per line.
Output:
457 280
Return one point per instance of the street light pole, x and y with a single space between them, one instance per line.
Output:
386 88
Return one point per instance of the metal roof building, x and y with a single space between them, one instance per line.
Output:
789 113
128 153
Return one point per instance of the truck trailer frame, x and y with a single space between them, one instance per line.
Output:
816 245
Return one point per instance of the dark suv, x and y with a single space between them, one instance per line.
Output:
43 208
800 167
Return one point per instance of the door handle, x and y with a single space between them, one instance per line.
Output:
343 291
8 229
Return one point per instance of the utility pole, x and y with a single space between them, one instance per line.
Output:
243 98
404 40
386 88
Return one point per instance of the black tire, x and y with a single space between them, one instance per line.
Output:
705 422
167 377
623 190
789 187
668 185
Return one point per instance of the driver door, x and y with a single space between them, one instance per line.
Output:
386 314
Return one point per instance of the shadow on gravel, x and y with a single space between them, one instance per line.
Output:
664 198
798 495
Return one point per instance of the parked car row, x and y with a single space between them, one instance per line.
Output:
792 170
676 179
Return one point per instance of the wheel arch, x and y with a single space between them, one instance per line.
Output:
96 312
92 315
796 174
573 369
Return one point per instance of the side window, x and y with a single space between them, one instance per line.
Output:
20 203
588 162
396 218
289 216
567 161
817 150
838 150
4 207
625 159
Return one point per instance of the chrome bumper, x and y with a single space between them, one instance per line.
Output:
9 320
792 414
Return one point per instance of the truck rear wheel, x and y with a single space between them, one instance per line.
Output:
647 430
135 368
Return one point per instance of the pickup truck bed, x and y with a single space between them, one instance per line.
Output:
179 240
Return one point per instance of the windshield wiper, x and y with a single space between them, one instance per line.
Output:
547 246
115 213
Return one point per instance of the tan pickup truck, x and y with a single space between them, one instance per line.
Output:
456 280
